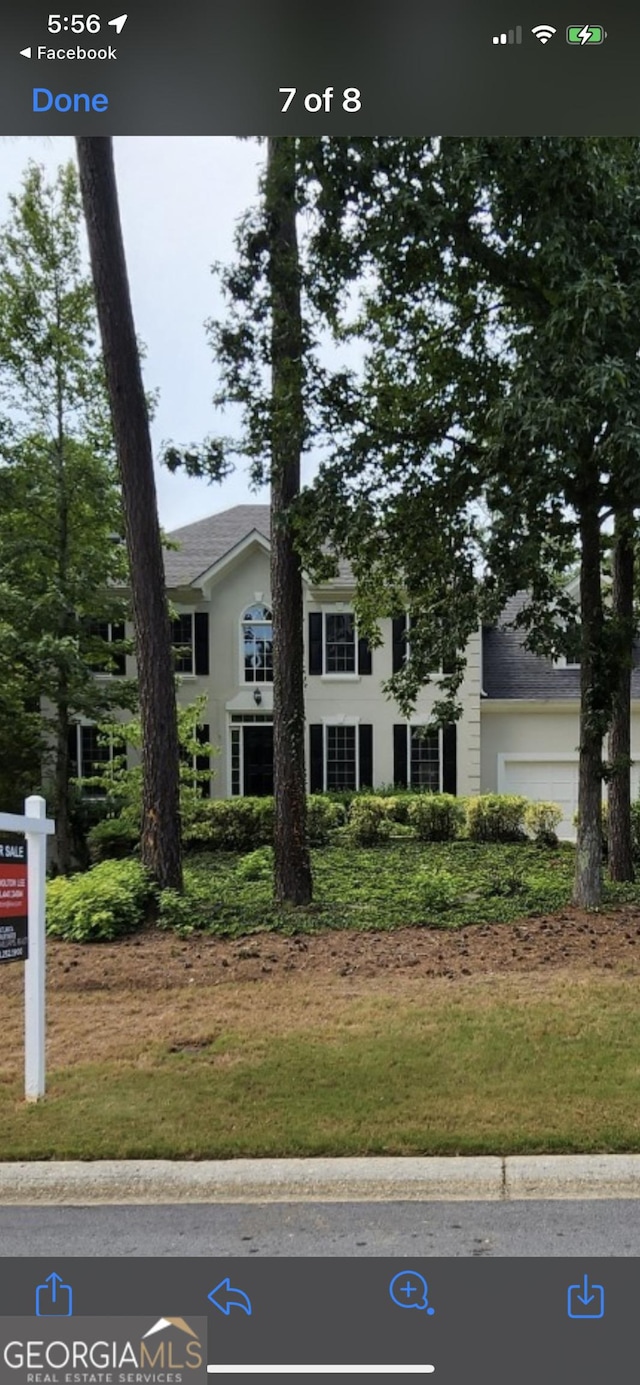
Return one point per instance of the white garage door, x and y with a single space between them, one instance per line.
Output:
554 779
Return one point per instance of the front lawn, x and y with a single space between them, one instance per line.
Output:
326 1065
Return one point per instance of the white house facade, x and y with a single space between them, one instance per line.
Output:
518 732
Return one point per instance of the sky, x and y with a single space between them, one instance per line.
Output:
180 200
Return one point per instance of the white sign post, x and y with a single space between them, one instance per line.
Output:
36 827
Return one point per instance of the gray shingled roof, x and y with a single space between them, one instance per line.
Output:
510 671
202 544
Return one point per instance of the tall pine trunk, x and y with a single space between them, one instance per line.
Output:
160 839
620 841
587 887
292 866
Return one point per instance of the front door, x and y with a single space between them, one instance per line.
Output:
258 761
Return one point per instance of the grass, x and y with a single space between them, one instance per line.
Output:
443 885
315 1066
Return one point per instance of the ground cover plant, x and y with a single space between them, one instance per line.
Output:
395 884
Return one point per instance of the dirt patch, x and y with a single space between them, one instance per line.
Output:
154 961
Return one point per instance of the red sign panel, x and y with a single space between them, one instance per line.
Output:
13 900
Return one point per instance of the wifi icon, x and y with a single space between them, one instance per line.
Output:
544 32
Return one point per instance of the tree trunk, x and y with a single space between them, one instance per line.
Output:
160 840
620 840
292 878
587 886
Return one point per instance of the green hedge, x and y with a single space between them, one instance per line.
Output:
493 817
100 904
437 817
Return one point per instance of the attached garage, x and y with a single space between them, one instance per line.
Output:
552 778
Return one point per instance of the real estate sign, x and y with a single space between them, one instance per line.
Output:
14 909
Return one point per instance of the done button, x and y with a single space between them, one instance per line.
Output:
44 100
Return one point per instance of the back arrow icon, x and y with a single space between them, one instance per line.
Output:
225 1298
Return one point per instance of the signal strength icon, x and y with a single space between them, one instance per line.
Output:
544 32
511 36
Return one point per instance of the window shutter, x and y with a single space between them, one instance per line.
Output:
203 762
119 659
316 758
315 642
366 757
449 759
398 642
400 767
364 655
73 751
447 666
201 642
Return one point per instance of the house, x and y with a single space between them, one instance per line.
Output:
518 732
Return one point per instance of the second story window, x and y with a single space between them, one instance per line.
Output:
182 641
257 645
340 643
108 633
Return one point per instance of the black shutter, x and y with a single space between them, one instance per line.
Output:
119 659
73 751
398 642
400 767
316 759
201 642
449 759
447 666
366 757
315 642
203 761
364 655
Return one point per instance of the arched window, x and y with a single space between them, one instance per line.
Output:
257 644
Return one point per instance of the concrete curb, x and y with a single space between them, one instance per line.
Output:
490 1179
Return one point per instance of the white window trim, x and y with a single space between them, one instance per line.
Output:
561 662
259 600
104 673
413 726
83 723
434 673
339 608
342 720
188 611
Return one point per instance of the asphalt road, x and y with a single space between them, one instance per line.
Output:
461 1229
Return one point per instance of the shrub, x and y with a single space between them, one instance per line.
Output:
493 817
368 821
435 889
101 904
257 865
232 824
323 816
541 820
436 817
111 839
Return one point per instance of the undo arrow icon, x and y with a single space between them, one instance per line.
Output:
225 1298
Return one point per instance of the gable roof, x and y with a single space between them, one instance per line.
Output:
207 541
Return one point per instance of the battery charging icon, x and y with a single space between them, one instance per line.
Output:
580 34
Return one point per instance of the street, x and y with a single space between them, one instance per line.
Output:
606 1227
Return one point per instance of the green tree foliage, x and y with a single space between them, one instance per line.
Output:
62 565
497 415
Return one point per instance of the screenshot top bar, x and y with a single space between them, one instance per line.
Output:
357 66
